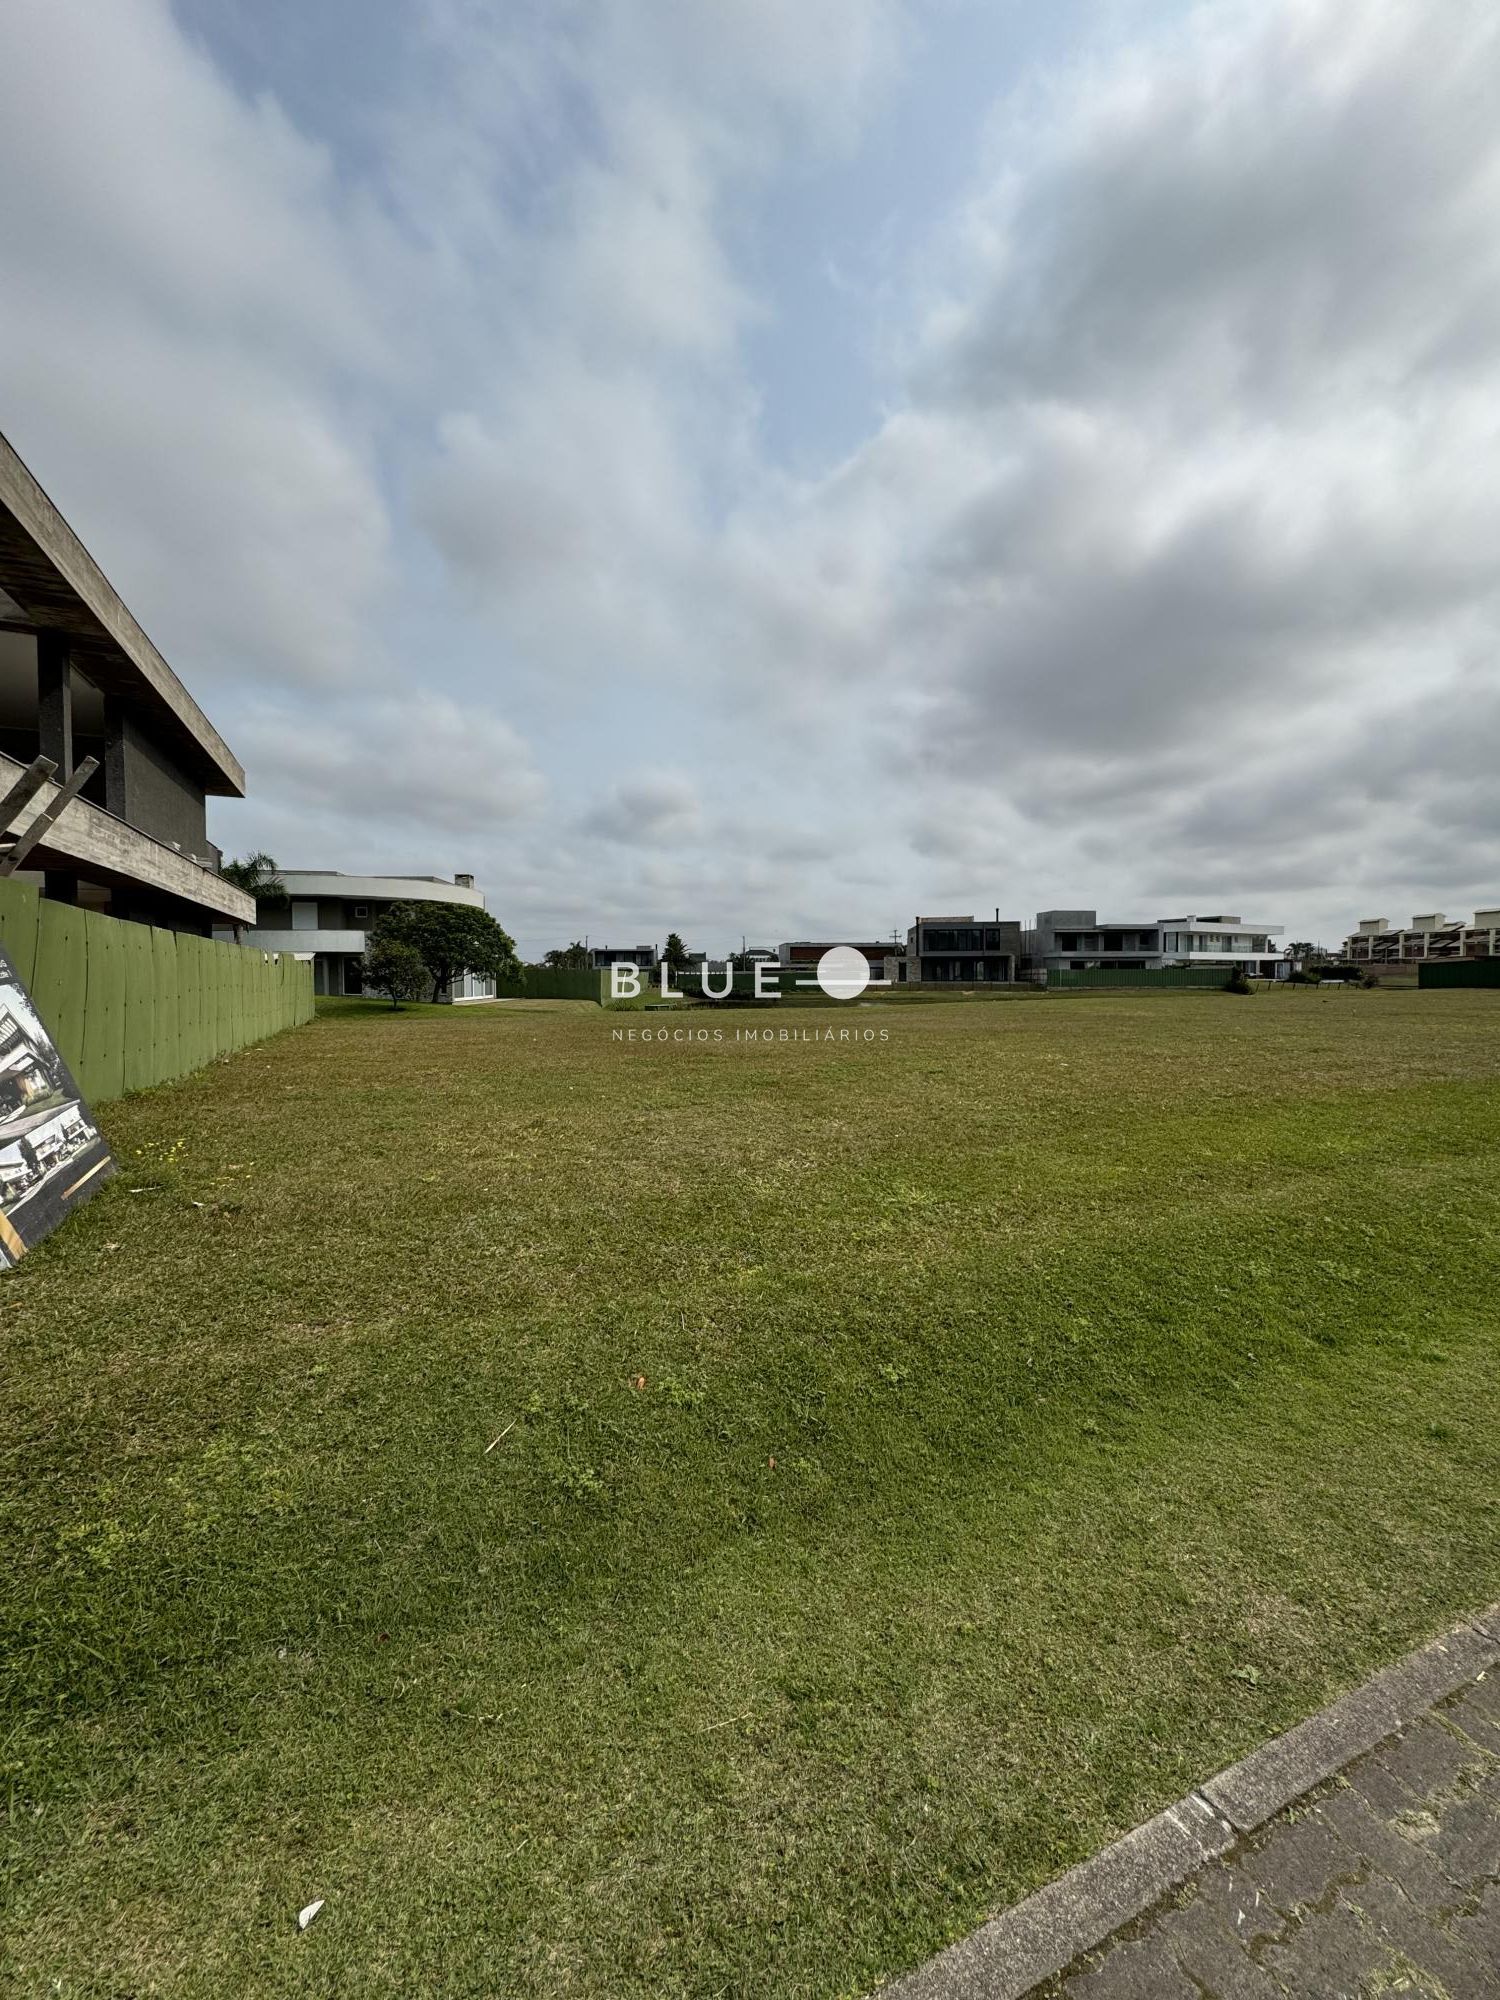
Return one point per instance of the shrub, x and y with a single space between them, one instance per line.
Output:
394 968
1238 982
450 939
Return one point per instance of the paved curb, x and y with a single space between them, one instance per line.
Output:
1260 1785
1005 1958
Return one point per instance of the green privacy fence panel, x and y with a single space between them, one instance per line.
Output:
1459 972
195 1003
140 1004
105 1007
544 982
18 923
130 1006
62 974
167 1038
1167 975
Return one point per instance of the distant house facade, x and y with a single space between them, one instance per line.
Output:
1077 941
962 951
80 679
807 951
1377 942
327 917
602 957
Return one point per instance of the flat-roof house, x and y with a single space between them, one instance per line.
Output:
603 956
1377 942
958 951
78 679
807 951
327 915
1076 941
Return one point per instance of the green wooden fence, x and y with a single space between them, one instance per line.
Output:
546 982
128 1005
1458 972
1166 975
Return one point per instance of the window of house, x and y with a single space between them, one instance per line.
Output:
361 909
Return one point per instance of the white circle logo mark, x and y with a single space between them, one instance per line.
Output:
843 972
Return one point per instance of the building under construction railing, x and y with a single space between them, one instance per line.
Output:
1427 938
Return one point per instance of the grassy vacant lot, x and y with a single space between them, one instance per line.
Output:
917 1462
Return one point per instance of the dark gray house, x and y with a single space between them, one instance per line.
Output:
958 951
646 956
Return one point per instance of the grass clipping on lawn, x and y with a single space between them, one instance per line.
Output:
719 1518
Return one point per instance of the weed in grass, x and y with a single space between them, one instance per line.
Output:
681 1395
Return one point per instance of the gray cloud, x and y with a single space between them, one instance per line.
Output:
650 809
407 766
1267 187
187 298
1166 572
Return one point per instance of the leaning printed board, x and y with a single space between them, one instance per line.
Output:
51 1155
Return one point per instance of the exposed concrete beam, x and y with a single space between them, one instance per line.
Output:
58 586
54 707
88 841
114 756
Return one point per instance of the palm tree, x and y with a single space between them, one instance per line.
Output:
575 958
258 876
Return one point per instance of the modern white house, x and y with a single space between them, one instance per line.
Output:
327 916
1076 941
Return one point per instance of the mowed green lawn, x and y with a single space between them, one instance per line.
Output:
916 1462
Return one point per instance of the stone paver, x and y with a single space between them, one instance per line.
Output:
1476 1717
1354 1857
1142 1970
1384 1882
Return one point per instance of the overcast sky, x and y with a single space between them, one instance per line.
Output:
768 467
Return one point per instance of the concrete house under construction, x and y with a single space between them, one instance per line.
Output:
79 679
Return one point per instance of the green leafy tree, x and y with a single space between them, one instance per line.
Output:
674 952
450 938
395 968
574 959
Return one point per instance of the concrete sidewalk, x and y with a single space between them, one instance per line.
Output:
1358 1855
